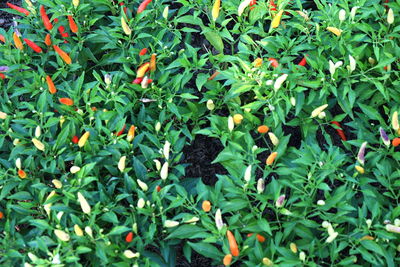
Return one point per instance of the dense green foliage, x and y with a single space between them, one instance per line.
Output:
65 203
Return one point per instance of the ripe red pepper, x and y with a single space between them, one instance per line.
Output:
274 62
272 6
137 80
252 3
75 139
2 38
158 188
123 4
340 131
143 6
45 18
2 76
129 237
19 9
122 130
34 46
143 52
72 24
303 62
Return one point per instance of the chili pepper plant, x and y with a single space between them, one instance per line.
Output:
200 133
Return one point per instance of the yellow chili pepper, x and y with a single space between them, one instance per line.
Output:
18 42
125 27
83 139
277 20
215 9
334 30
142 70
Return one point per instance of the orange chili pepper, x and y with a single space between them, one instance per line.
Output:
271 158
262 129
2 38
1 215
260 238
212 77
47 40
206 205
396 141
72 24
274 62
62 54
50 84
34 46
232 243
66 101
21 174
131 133
152 65
45 18
142 70
227 259
17 42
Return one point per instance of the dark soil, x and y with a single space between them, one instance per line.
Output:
6 18
199 155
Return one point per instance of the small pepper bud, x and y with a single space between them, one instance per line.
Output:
237 118
210 105
165 12
158 126
247 174
231 123
63 236
164 171
74 169
121 163
38 132
84 204
78 230
170 223
142 185
342 15
166 149
89 231
158 164
279 202
260 186
390 16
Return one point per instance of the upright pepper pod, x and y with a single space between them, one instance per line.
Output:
72 25
45 18
17 42
50 84
62 54
152 65
47 40
83 139
215 9
233 247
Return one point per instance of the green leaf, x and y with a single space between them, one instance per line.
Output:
215 40
206 250
187 231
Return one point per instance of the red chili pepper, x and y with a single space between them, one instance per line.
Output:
158 188
45 18
2 38
72 24
272 6
129 237
252 3
19 9
75 139
122 130
137 80
2 76
303 62
274 62
34 46
125 8
143 6
340 131
143 52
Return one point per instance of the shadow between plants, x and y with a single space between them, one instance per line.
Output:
199 155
